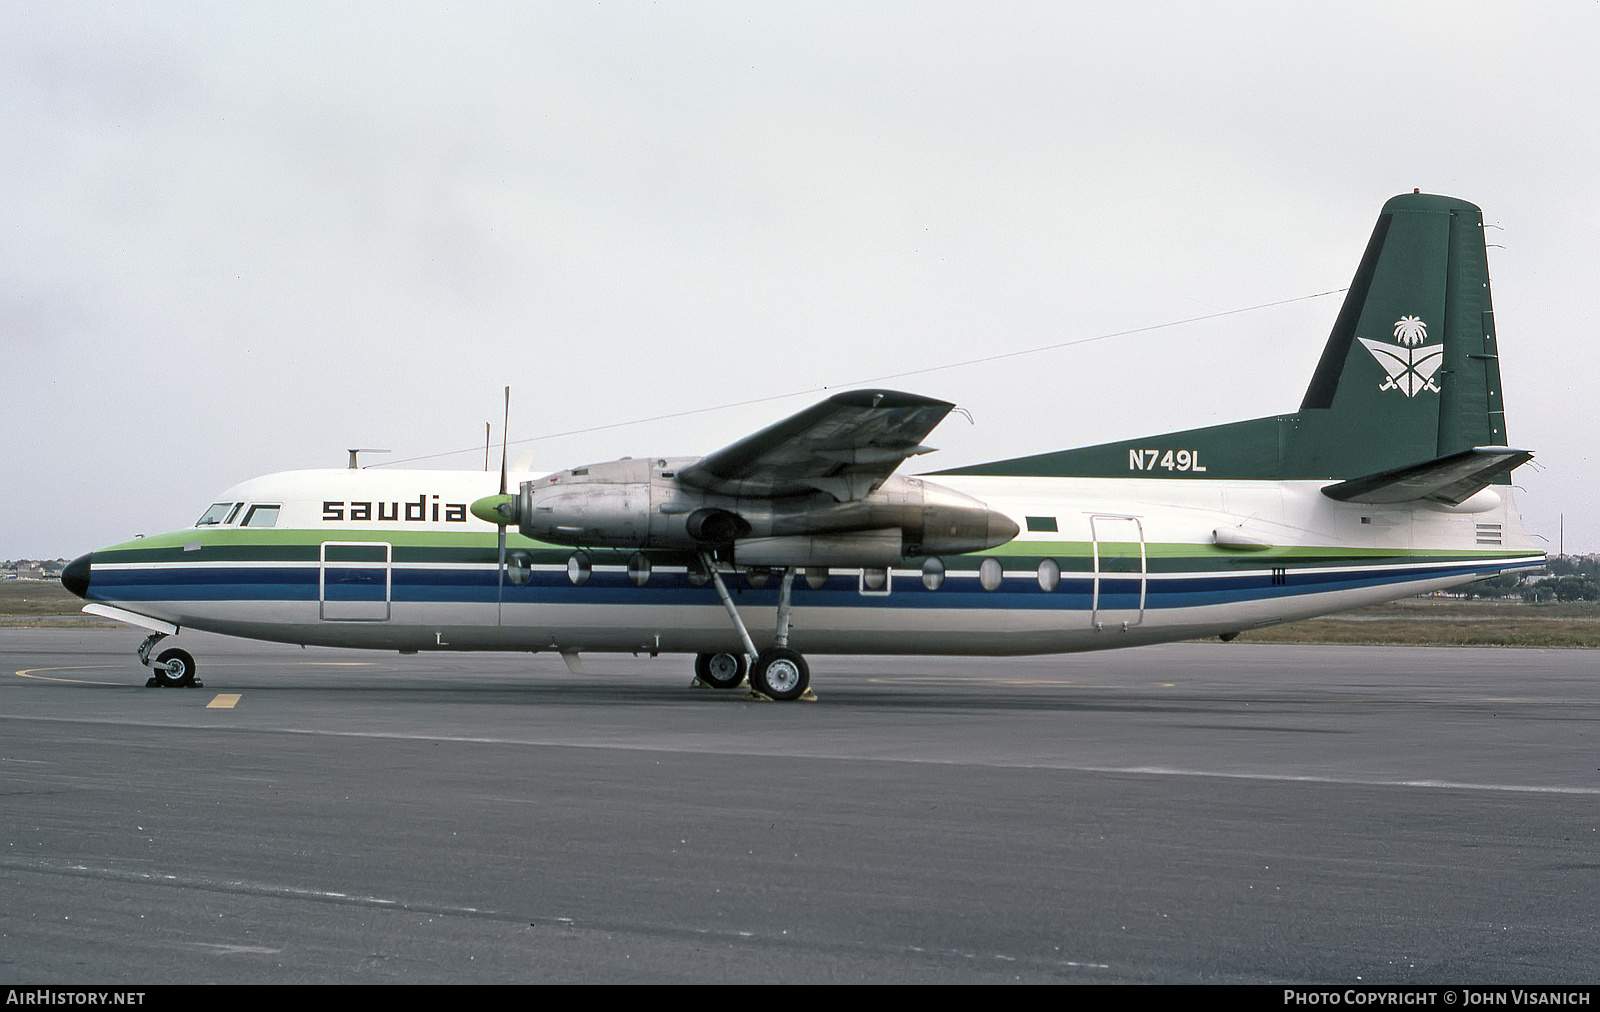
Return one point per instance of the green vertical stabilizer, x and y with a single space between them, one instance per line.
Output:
1410 372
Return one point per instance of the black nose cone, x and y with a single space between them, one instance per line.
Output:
75 577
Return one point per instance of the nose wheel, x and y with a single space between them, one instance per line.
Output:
174 669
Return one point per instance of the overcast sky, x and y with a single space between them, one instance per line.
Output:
237 238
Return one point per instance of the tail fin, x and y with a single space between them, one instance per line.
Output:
1419 310
1410 372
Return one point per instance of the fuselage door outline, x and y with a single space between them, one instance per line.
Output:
1112 536
355 581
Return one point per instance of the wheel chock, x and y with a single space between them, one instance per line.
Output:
760 697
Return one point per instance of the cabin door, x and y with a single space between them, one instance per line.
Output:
353 581
1120 572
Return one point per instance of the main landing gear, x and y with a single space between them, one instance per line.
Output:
778 672
174 669
721 671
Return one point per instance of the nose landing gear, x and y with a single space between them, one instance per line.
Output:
174 669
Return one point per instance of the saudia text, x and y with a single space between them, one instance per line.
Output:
415 512
1171 460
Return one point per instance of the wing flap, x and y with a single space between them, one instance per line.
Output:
1451 479
845 446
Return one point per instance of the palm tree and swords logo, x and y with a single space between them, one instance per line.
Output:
1411 365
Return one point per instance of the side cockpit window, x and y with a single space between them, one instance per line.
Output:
219 513
261 516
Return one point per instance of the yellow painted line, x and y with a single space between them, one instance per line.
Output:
33 673
224 701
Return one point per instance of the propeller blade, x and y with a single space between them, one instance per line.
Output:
500 570
503 442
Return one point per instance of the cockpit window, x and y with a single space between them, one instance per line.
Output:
261 516
219 513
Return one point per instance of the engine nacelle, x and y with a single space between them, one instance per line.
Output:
878 549
639 503
599 505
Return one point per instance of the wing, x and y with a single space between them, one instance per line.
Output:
1451 479
845 446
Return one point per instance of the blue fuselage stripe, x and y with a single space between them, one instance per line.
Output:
302 583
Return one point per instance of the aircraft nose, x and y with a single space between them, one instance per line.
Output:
75 577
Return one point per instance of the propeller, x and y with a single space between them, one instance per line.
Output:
500 510
500 589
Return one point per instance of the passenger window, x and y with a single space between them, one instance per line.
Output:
990 574
217 514
261 516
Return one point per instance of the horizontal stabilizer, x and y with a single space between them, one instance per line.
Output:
1451 479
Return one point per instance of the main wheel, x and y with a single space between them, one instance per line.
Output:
720 671
780 673
174 669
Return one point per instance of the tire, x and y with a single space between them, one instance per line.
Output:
780 673
721 671
180 678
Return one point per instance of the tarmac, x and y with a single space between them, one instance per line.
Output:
1197 812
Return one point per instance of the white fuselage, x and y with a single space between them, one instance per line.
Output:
393 560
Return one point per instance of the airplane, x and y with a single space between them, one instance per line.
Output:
1392 479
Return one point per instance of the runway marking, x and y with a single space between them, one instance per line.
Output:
250 950
1064 767
1031 681
1452 785
34 672
223 701
1164 771
46 866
